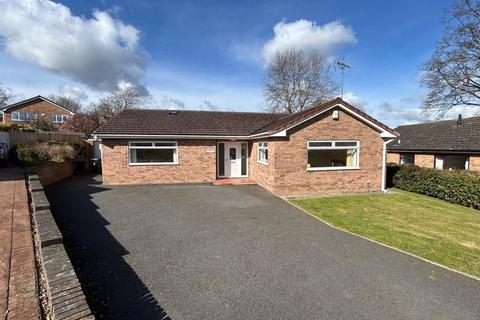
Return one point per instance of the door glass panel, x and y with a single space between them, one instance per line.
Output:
221 159
233 153
244 159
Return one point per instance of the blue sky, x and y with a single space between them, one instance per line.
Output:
211 54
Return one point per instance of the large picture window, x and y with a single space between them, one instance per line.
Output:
451 162
333 155
24 116
153 152
262 152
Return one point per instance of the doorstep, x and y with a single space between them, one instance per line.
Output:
235 181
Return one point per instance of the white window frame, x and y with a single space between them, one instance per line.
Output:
175 154
54 118
262 146
334 147
19 118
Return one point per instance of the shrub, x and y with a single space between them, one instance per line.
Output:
45 151
460 187
20 127
26 155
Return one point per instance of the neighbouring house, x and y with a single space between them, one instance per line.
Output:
450 144
34 108
331 148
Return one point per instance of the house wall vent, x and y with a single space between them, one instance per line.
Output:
335 115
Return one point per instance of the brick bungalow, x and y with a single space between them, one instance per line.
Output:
331 148
34 108
450 144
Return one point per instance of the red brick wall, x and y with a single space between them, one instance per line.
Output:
425 160
41 107
196 163
474 163
263 174
53 172
291 177
393 158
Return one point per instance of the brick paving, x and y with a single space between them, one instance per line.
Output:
18 289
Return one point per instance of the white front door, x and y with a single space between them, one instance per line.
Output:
233 159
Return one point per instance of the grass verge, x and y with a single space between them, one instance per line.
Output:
445 233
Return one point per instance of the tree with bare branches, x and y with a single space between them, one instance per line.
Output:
66 102
127 98
5 95
295 81
452 75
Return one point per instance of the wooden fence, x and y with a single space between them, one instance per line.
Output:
32 137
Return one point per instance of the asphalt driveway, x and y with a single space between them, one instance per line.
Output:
238 252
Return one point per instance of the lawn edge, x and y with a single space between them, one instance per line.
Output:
380 243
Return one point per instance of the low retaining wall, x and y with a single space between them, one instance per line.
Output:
53 172
64 293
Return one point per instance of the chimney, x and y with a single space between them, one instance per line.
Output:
460 120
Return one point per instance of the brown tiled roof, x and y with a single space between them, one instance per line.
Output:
439 136
189 122
294 118
186 122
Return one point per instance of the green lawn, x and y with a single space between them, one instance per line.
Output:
430 228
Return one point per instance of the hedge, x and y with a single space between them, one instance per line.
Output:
45 151
459 187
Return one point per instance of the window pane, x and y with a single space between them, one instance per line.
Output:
244 159
320 144
152 155
407 159
221 159
346 144
165 144
141 144
439 162
456 162
332 158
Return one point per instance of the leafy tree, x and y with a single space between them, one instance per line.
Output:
295 81
452 75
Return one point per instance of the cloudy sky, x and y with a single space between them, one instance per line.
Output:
212 54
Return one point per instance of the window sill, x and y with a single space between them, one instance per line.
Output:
333 169
154 164
262 162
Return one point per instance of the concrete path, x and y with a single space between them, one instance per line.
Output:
238 252
18 289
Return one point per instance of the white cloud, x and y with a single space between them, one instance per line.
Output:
100 52
307 36
73 92
354 100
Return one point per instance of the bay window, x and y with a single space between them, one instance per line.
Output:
333 155
153 152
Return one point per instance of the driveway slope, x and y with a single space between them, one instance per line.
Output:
238 252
